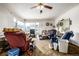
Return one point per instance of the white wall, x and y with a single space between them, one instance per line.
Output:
42 24
6 19
73 14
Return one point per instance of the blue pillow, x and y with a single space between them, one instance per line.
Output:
68 35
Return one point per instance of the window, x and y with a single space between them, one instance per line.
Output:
26 26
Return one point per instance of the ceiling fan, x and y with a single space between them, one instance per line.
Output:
41 5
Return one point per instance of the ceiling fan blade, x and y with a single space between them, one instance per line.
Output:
34 7
40 4
49 7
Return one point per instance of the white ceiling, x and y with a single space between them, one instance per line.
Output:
23 10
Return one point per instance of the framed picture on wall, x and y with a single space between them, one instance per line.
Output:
51 24
47 24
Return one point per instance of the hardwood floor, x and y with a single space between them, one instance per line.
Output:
72 50
43 47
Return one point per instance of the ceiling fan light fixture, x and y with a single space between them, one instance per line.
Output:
40 7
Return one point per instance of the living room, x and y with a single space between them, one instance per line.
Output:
36 21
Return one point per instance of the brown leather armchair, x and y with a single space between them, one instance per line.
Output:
17 40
